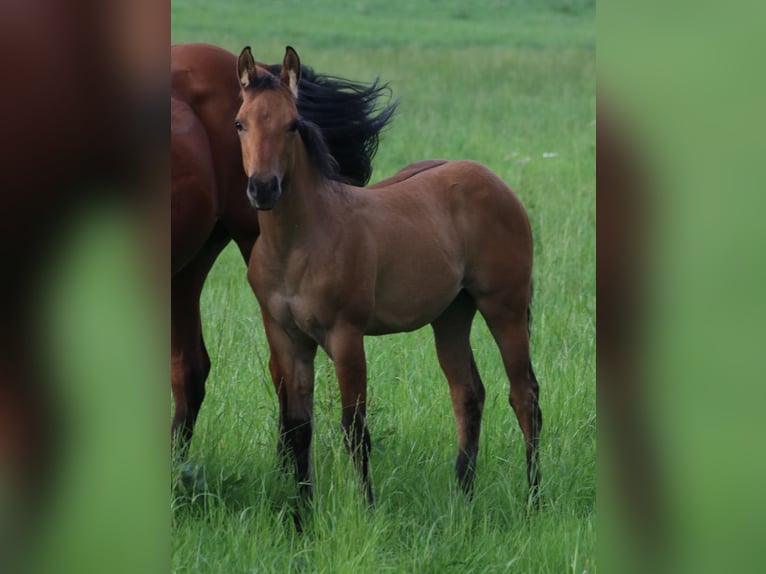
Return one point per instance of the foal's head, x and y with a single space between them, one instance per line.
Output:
267 123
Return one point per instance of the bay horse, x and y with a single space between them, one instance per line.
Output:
208 208
335 262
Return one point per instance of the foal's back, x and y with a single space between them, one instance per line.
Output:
459 206
451 226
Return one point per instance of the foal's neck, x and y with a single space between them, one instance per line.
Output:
308 206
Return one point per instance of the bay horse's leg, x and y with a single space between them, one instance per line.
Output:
190 362
346 346
452 332
508 323
292 367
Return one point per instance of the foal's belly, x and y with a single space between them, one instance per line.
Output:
411 301
420 270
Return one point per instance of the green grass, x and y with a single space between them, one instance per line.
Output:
499 85
363 25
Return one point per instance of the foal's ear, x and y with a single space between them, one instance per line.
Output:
291 70
245 67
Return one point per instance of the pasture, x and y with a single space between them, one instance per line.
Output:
511 85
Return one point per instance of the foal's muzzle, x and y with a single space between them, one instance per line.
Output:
263 193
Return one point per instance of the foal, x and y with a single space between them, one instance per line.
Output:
335 262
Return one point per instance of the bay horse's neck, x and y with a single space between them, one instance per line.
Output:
307 205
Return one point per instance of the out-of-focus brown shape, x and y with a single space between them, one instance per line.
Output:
626 443
84 119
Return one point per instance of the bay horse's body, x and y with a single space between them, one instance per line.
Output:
335 262
208 207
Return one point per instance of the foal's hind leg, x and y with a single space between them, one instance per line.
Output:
452 334
508 323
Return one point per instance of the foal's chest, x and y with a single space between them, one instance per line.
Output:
295 313
295 298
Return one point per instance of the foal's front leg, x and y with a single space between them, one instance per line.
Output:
347 351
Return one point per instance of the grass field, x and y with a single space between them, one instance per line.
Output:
511 85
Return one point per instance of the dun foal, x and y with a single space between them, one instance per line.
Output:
335 262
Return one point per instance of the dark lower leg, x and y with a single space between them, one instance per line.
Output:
508 323
283 456
357 438
346 346
524 401
297 441
452 336
190 362
468 405
190 368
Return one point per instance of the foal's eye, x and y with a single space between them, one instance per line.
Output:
238 125
293 127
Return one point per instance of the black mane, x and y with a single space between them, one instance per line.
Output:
348 118
319 151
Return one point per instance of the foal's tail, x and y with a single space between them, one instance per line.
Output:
529 306
529 328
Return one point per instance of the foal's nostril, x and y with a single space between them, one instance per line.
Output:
252 184
269 185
